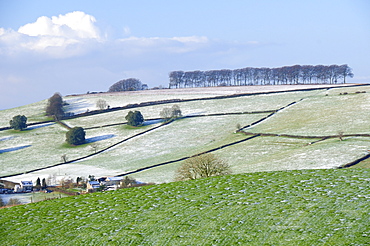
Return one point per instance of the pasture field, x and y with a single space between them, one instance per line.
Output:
44 146
300 207
322 115
240 104
275 153
318 112
34 112
81 103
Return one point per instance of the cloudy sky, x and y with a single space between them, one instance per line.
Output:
78 46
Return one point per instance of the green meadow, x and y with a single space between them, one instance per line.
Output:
300 207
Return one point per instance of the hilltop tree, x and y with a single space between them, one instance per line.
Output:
76 136
202 166
126 85
18 122
134 118
296 74
55 106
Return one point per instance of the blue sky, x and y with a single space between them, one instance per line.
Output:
79 46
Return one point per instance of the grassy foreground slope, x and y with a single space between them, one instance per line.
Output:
303 207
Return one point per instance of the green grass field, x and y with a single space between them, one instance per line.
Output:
302 207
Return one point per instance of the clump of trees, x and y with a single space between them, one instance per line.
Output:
55 106
202 166
18 122
76 136
134 118
171 113
297 74
128 85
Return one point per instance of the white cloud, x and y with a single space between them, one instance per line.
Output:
76 33
59 36
74 25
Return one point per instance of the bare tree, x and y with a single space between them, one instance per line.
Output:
127 182
13 201
340 135
202 166
64 158
170 113
101 104
94 147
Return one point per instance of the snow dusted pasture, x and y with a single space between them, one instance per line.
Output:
322 115
240 104
273 154
34 112
172 142
81 103
37 154
277 153
318 112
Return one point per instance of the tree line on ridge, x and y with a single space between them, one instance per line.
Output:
297 74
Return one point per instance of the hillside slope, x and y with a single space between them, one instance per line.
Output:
314 117
304 207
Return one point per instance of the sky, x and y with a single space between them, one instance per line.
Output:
73 47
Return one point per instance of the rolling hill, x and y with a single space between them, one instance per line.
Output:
282 128
286 188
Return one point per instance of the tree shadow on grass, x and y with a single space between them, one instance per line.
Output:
99 138
38 126
152 122
77 105
6 138
14 149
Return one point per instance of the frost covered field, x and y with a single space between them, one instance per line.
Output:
301 207
309 113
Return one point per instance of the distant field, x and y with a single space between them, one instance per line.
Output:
302 207
321 114
308 113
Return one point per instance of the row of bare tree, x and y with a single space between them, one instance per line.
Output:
297 74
